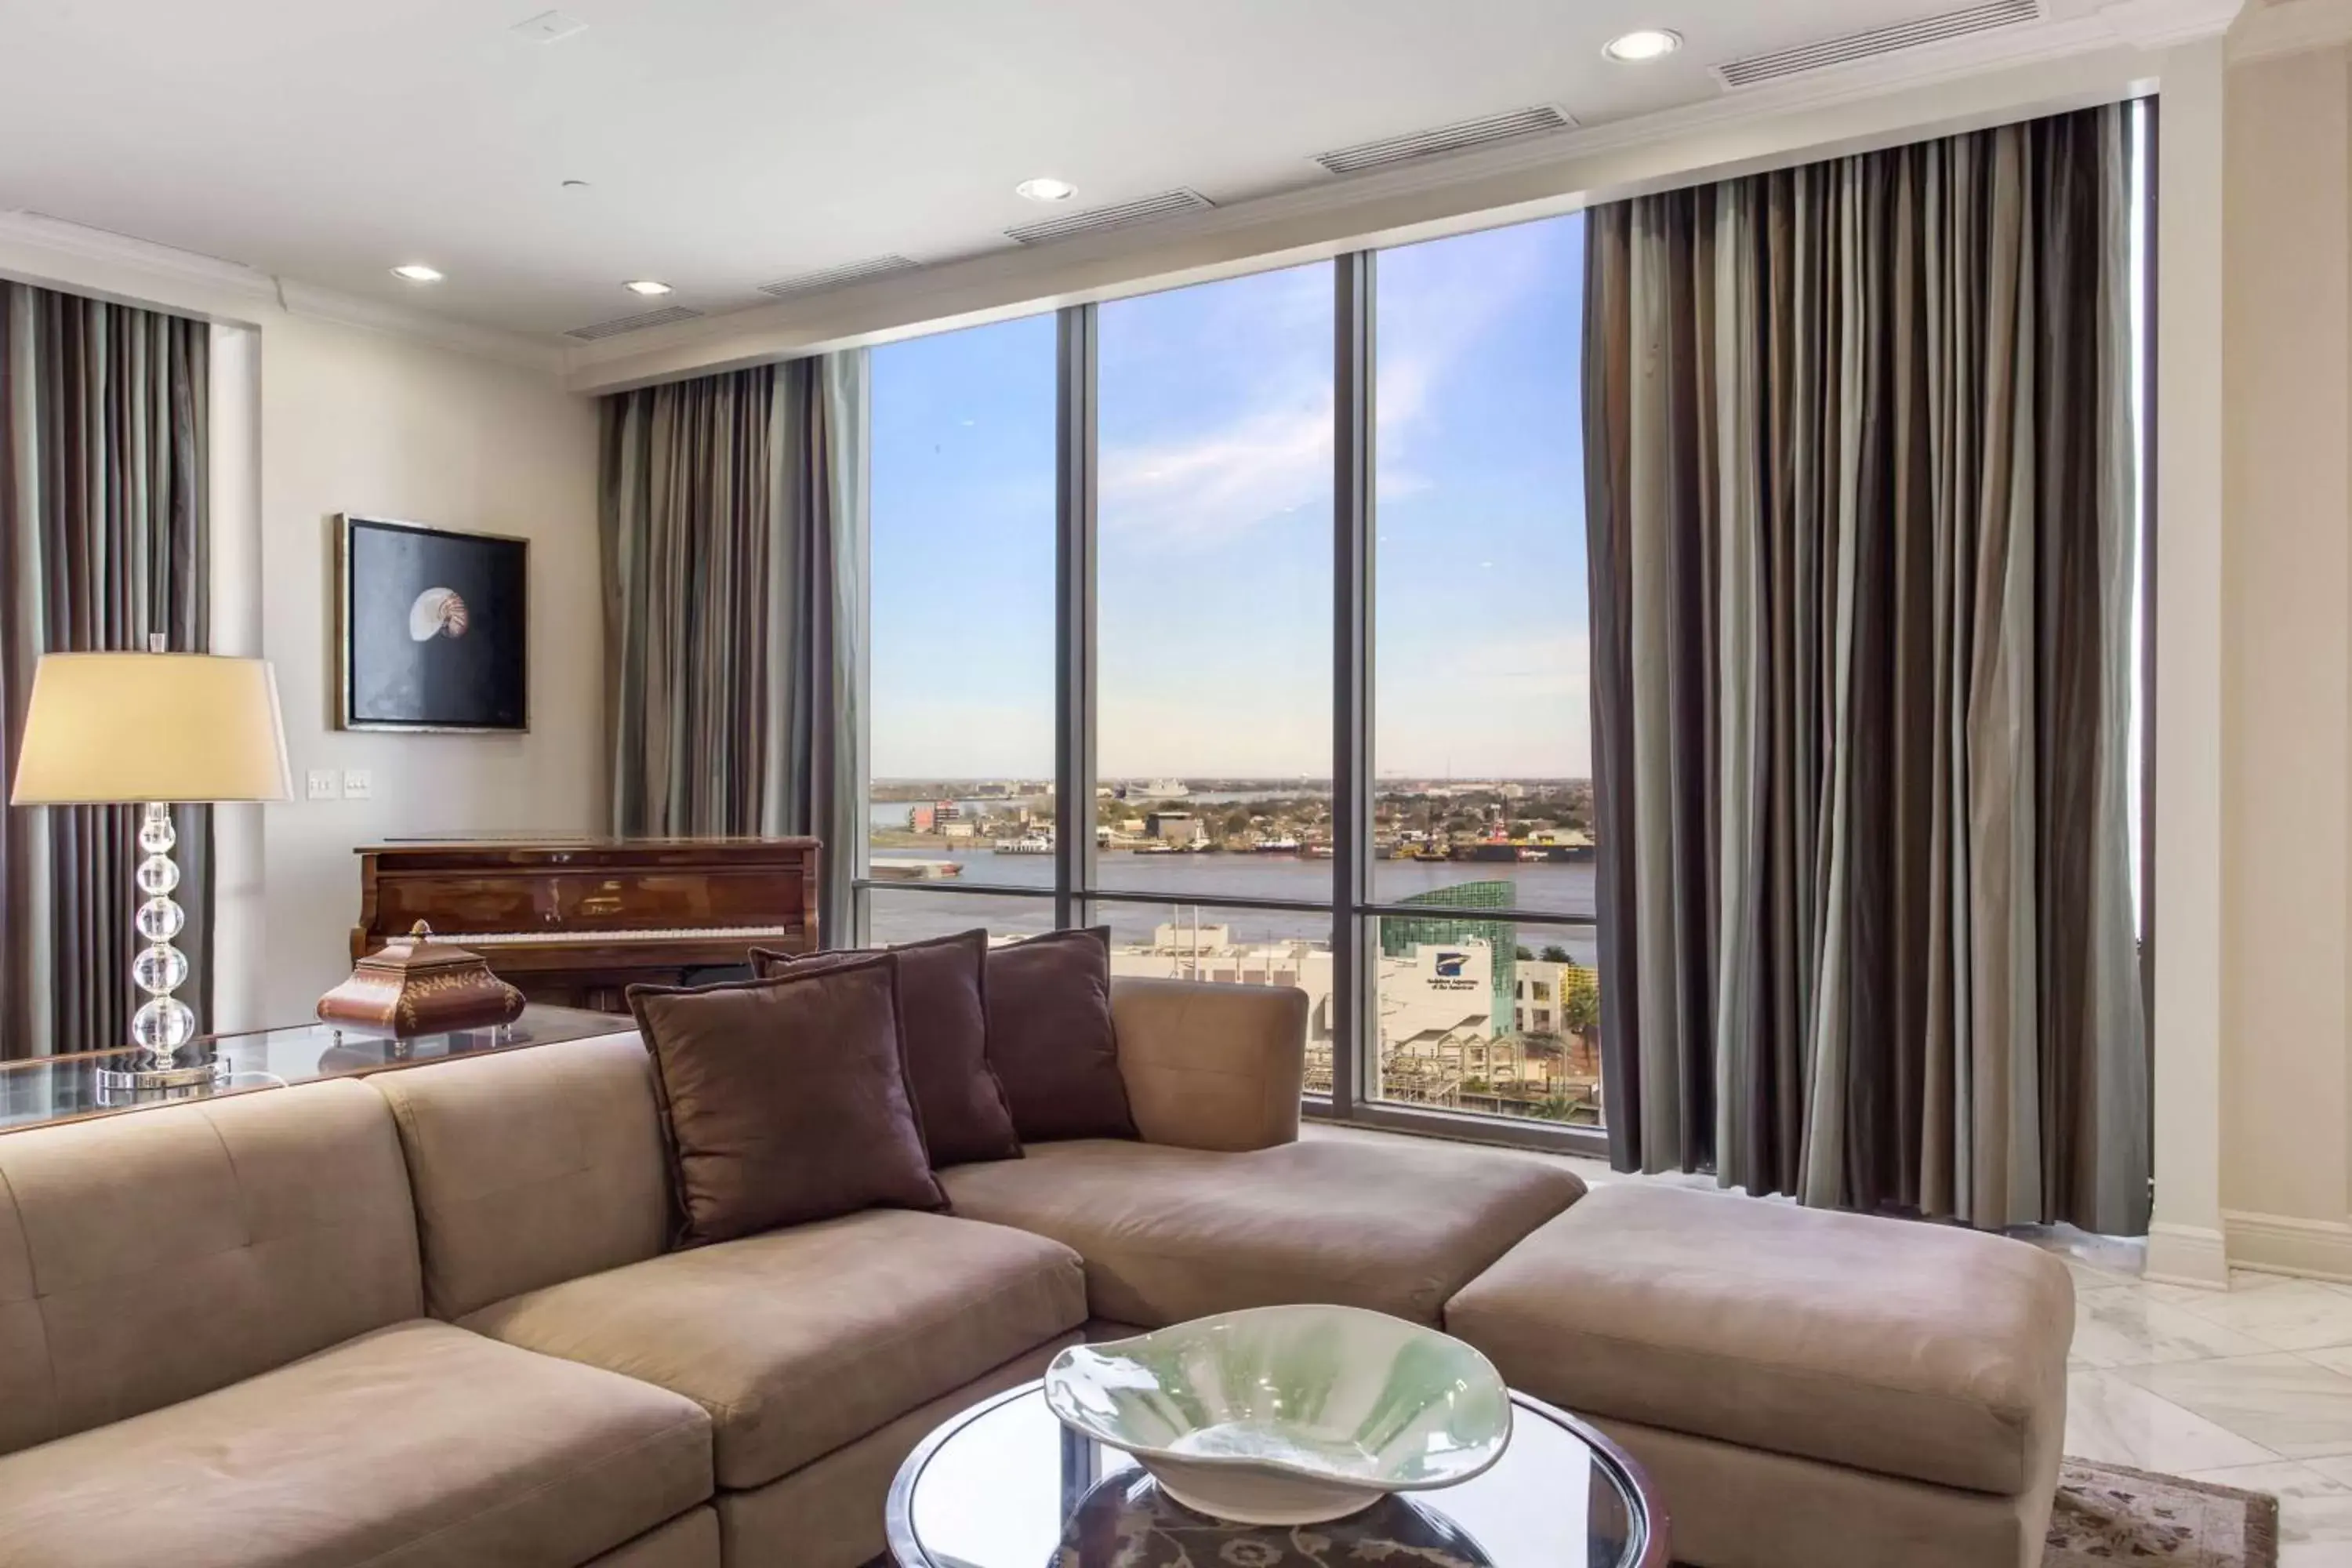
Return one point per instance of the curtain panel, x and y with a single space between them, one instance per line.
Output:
103 540
733 516
1861 535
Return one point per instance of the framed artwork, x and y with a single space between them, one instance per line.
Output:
433 628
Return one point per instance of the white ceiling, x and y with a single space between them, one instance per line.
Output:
730 142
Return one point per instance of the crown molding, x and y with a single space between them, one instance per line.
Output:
376 316
73 255
2165 23
208 275
2290 27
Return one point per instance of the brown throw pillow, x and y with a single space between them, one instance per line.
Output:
943 1012
785 1100
1050 1038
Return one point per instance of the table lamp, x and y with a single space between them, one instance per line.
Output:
153 728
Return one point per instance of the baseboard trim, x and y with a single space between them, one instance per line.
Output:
2187 1255
2287 1244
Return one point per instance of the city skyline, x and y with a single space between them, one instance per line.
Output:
1213 579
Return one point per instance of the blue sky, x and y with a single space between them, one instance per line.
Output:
1215 506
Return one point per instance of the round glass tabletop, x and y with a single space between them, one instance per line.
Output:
1004 1485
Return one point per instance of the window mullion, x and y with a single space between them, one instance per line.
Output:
1355 1012
1073 707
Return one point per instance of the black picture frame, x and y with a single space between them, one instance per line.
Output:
433 630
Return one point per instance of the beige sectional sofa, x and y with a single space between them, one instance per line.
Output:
428 1318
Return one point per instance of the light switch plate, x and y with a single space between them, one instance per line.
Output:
358 783
322 783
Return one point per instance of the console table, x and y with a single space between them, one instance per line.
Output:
46 1090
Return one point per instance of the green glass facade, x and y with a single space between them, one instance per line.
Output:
1400 934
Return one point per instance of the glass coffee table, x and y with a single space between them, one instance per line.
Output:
1004 1485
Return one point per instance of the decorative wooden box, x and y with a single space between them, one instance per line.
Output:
418 986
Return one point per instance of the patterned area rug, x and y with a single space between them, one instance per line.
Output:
2107 1515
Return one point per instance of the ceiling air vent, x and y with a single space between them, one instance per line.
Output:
636 324
834 277
1886 40
1100 220
1444 139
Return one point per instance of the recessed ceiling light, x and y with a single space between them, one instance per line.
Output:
417 272
1046 189
1643 43
645 286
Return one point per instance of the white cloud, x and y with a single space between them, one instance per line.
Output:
1273 454
1275 458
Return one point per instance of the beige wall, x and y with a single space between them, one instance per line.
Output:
2287 1083
353 420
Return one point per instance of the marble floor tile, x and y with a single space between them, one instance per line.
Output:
2314 1510
2288 1403
2119 1423
2120 1326
2290 1314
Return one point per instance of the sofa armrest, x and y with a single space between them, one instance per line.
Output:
1210 1065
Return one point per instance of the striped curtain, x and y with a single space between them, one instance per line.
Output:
733 516
1862 534
103 540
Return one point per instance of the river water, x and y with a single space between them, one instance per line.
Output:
905 911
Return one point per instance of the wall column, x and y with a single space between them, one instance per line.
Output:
2185 1243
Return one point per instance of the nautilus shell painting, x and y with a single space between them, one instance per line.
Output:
433 625
437 612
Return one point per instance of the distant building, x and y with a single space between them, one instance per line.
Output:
1174 826
1401 936
924 818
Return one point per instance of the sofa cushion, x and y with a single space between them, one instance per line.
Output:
786 1099
417 1445
532 1166
1209 1065
1171 1233
1051 1038
153 1257
800 1340
942 995
1909 1349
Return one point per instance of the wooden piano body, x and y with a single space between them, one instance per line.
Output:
576 922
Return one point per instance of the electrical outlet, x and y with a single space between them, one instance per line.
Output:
322 783
358 783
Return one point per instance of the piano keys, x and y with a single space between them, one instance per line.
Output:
575 921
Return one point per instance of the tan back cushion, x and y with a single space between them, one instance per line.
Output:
147 1259
532 1166
1212 1066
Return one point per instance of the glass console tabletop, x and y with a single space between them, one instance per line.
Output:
66 1089
1004 1485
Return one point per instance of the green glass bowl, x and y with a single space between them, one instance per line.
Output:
1288 1414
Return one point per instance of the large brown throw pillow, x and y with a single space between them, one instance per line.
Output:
943 1013
1050 1038
785 1099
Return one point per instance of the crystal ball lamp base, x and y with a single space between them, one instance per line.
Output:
164 1024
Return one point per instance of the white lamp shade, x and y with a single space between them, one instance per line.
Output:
121 727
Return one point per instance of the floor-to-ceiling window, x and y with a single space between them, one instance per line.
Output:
1212 634
1482 796
962 667
1136 520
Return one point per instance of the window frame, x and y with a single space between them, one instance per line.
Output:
1355 914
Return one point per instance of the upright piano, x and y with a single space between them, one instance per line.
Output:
575 921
